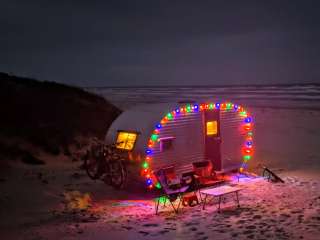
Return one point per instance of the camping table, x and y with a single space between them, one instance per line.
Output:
220 192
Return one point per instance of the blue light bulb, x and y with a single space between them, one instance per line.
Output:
248 119
149 181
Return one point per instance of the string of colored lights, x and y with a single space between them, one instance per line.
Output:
247 148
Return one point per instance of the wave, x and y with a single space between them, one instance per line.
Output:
287 96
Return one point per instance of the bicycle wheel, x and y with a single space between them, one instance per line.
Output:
118 174
91 165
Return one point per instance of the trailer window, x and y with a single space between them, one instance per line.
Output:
212 128
126 140
166 143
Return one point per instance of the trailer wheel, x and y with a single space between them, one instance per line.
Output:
118 174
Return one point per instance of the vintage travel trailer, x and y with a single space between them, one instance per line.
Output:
161 135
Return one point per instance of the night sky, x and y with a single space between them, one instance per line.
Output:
121 43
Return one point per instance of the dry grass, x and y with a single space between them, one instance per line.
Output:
51 115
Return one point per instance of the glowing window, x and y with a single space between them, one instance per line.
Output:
212 128
126 140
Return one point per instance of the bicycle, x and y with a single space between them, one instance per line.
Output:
107 163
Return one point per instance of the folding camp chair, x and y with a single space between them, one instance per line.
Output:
204 174
171 190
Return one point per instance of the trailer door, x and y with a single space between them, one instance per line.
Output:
212 138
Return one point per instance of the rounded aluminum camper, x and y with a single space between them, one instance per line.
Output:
160 135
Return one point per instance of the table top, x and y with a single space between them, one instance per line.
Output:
218 191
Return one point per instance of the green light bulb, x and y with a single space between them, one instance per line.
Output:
244 113
145 165
154 137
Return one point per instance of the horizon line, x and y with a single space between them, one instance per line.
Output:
206 85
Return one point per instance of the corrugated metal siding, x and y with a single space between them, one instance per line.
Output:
188 145
232 139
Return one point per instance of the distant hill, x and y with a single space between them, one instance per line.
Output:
51 115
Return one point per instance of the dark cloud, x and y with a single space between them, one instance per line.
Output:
161 42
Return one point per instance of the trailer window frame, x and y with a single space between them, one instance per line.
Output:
162 145
127 141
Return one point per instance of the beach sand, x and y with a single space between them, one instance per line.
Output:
58 200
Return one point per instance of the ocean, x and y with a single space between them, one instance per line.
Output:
284 96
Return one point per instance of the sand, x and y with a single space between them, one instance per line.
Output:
58 200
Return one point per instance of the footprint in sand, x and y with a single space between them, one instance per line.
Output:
296 211
251 227
262 232
170 228
300 218
143 232
203 238
163 231
247 232
257 217
150 225
191 223
127 227
170 223
240 222
234 235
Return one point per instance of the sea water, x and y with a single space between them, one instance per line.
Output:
284 96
